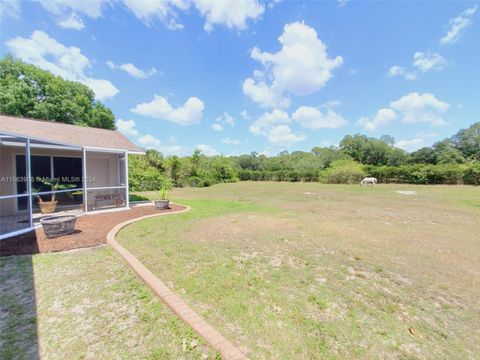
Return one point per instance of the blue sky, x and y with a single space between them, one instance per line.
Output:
233 77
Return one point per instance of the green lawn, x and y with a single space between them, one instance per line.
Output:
292 270
86 304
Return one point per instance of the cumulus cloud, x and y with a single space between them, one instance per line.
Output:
275 127
382 118
71 22
422 62
191 112
300 67
207 150
150 142
67 62
457 25
230 13
127 127
217 127
132 70
412 108
229 141
323 117
420 108
226 119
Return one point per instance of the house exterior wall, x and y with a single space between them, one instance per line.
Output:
102 170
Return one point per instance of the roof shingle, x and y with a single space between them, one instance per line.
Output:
66 134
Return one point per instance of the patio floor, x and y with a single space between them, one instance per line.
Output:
90 230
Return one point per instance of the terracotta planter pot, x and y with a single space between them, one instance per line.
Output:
55 226
47 207
162 204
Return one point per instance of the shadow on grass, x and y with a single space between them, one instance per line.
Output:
18 308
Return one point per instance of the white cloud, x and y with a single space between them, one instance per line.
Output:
244 114
90 8
150 142
207 150
342 3
422 62
300 67
127 127
382 118
232 14
428 61
71 22
275 127
229 141
9 8
318 117
226 119
419 141
191 112
283 135
217 127
412 108
148 11
67 62
457 25
132 70
420 108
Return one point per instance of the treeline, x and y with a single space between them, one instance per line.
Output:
455 160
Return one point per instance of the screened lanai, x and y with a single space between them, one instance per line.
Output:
83 169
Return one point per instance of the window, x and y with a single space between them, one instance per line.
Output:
68 170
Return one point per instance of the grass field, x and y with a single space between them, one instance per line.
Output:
301 271
86 304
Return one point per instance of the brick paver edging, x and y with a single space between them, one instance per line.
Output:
174 303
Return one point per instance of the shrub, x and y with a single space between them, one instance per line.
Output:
471 175
343 172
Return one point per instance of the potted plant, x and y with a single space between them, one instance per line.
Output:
164 202
48 207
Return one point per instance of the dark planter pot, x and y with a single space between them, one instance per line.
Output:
55 226
162 204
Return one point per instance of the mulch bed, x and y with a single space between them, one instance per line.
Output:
90 230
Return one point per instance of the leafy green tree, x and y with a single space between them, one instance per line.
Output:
28 91
468 141
425 155
367 150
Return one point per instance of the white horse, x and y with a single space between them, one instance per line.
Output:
369 181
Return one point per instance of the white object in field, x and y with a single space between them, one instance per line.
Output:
404 192
369 181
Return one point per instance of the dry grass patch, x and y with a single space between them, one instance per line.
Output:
326 271
86 304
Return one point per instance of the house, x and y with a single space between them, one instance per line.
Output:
91 165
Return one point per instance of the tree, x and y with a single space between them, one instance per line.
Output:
26 90
371 151
468 141
425 155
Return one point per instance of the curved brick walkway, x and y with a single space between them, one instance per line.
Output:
174 303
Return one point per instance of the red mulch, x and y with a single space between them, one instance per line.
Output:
90 230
